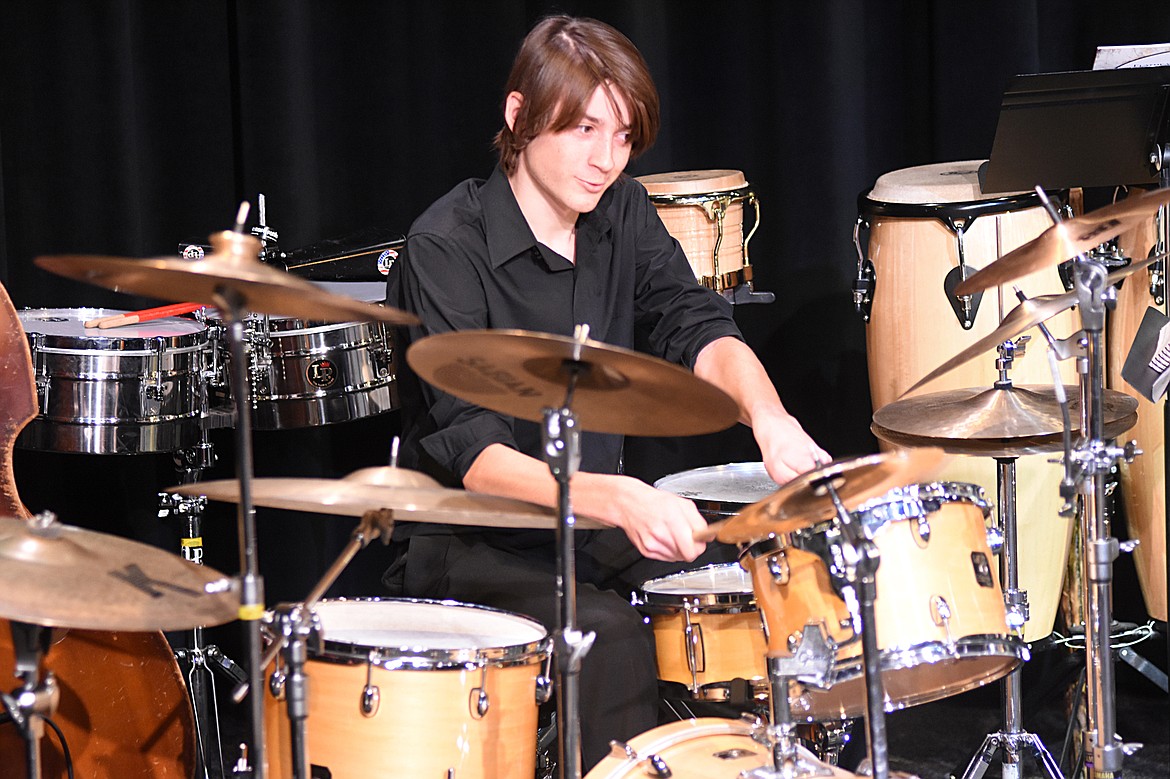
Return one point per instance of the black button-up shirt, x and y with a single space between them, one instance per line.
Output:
472 262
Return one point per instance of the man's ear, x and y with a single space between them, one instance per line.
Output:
512 104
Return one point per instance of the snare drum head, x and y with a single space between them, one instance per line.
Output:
743 483
721 579
692 182
65 328
943 182
424 625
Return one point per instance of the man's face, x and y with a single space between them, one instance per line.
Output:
570 169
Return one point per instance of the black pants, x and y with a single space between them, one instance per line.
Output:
516 572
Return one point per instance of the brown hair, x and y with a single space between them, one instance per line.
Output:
559 65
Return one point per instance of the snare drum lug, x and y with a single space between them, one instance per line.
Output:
544 689
658 767
371 700
922 532
940 612
778 567
276 684
479 703
994 540
622 749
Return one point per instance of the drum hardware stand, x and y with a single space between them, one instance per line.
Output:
36 700
811 660
1013 739
561 440
190 463
296 625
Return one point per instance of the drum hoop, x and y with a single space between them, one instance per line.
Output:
423 659
964 210
943 491
130 347
702 198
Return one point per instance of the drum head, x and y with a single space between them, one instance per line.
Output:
944 182
65 328
416 625
693 182
724 578
721 490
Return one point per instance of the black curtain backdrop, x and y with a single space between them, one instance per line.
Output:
127 126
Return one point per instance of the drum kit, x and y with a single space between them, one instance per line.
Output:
870 580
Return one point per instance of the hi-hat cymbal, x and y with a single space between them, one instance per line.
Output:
1024 317
619 391
805 501
994 422
1066 240
61 576
233 267
349 498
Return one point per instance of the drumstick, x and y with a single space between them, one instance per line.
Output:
145 315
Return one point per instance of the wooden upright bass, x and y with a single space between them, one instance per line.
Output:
123 708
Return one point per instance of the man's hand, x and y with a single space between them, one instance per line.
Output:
787 450
662 526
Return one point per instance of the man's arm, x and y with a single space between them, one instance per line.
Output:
787 449
660 525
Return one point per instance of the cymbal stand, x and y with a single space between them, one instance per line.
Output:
231 304
190 464
561 439
296 623
35 699
1013 739
1090 464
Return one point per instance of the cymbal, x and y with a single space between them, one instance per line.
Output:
61 576
522 373
234 266
1024 317
994 422
1066 240
805 501
345 497
389 476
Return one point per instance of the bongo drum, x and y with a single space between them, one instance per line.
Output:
924 223
1143 487
703 210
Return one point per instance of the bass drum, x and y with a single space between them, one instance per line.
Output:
1143 482
921 222
123 708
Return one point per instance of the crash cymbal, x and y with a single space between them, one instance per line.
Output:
1066 240
1024 317
234 266
343 497
620 391
994 422
805 501
61 576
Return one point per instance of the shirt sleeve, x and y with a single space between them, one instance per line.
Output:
675 315
441 286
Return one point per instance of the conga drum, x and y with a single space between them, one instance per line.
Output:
924 222
703 210
1143 482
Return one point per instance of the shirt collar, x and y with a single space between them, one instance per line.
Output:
508 233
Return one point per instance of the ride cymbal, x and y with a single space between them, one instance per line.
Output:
232 270
61 576
1066 240
522 373
994 422
805 501
353 498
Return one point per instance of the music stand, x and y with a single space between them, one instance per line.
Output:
1101 128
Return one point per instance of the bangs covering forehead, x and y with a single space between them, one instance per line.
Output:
560 64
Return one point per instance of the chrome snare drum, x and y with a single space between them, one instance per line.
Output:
311 373
127 390
416 688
